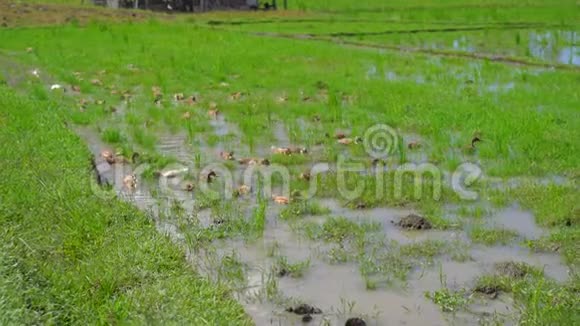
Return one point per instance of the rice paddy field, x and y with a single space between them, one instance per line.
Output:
337 163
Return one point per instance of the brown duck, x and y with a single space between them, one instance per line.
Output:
109 157
211 176
130 181
282 200
281 150
228 156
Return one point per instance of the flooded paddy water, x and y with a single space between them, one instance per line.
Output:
328 276
549 45
322 260
336 288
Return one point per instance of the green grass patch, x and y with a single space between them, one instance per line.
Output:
69 256
448 300
299 209
543 301
490 237
112 135
283 267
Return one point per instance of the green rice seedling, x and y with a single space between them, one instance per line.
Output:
387 268
112 135
273 250
425 249
269 290
561 240
370 284
477 212
448 300
197 160
435 215
144 139
288 160
296 270
338 229
259 217
231 270
489 237
553 205
459 251
302 208
339 255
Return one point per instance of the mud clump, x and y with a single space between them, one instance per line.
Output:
360 205
304 309
490 291
414 222
513 269
355 322
218 222
505 273
282 271
306 318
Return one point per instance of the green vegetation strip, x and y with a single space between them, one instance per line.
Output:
68 257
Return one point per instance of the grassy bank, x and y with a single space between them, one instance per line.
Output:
67 256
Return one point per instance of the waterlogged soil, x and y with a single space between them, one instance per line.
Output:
176 146
222 127
522 222
388 218
414 222
340 292
337 289
280 134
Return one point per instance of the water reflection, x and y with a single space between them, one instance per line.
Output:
570 55
546 46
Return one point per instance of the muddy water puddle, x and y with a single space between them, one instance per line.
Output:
281 135
337 289
512 218
387 218
520 221
552 264
222 127
176 146
340 291
18 74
